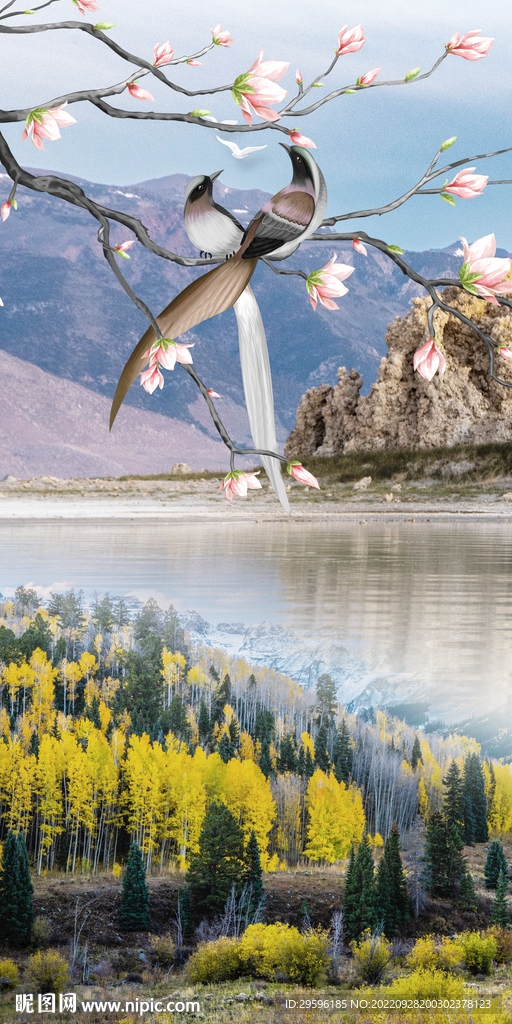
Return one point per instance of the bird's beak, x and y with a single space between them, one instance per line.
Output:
287 148
216 175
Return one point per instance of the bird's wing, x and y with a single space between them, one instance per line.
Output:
210 294
232 145
289 216
250 149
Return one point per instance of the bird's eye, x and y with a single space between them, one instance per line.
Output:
200 188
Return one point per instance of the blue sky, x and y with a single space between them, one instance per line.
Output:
371 146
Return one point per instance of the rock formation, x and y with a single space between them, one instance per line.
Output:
462 406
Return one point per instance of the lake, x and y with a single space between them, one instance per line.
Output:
428 605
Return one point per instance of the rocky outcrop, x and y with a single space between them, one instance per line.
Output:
462 406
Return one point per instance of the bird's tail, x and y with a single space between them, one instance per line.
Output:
258 386
210 294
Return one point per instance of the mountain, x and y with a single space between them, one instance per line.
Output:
65 313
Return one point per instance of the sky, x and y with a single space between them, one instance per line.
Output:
372 146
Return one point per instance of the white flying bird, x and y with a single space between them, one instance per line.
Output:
237 152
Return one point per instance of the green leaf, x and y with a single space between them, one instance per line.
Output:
318 85
349 91
123 254
467 279
412 74
448 198
104 25
447 143
240 86
395 248
314 279
36 115
14 204
29 12
199 113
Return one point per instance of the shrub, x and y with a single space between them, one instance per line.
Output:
47 971
215 961
41 931
372 955
305 957
8 974
268 949
478 952
163 949
430 955
425 984
503 937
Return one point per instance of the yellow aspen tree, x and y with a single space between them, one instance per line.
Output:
336 818
89 667
247 794
42 712
423 800
183 801
27 680
5 723
71 676
500 820
48 785
308 744
11 678
142 793
246 747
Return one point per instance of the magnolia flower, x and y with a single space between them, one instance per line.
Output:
296 469
471 46
302 140
152 378
237 482
502 350
120 249
325 283
163 54
428 360
350 40
195 63
466 185
166 352
369 77
481 273
44 124
256 88
6 209
298 77
85 5
212 394
139 94
219 37
359 247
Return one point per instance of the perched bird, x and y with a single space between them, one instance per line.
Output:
276 231
238 153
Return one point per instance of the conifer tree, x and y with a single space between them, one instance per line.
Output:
16 913
475 801
187 920
360 902
443 857
453 799
326 699
322 759
416 757
343 755
492 790
218 863
398 913
203 722
495 862
467 895
134 910
287 761
225 748
266 760
309 767
499 911
385 913
301 762
254 875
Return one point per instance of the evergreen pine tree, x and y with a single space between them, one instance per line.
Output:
309 767
361 911
225 748
456 862
287 761
234 733
453 799
134 911
475 800
322 759
492 790
436 856
416 757
343 755
218 863
499 911
265 759
495 862
398 913
385 910
16 892
301 762
203 722
469 821
467 895
187 920
254 875
326 699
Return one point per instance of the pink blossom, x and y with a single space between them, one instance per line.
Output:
212 394
471 46
219 37
151 378
195 63
466 185
163 54
491 271
350 40
84 6
167 353
138 93
502 350
44 124
238 483
121 248
256 88
6 209
298 77
369 77
359 247
302 140
296 469
323 284
428 360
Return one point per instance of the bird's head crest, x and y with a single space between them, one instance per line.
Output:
304 166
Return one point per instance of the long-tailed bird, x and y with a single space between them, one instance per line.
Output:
286 220
238 153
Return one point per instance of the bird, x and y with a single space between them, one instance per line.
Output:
291 216
238 153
